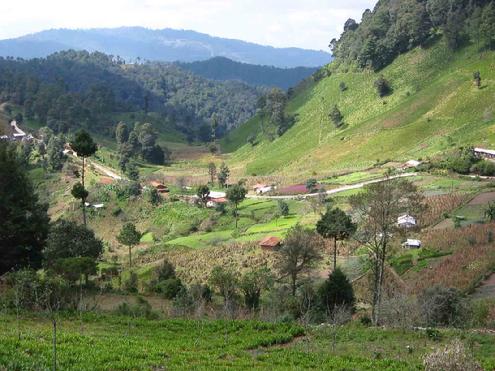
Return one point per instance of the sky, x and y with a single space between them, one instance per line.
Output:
309 24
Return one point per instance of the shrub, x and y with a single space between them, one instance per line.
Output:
452 357
383 87
141 309
169 288
335 292
443 307
131 284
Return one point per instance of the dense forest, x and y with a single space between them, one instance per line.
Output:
395 27
221 68
74 89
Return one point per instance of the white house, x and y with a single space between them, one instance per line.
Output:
412 244
406 221
484 153
215 194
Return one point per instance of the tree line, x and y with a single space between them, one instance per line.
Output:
395 27
76 89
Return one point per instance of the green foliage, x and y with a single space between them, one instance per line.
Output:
443 307
383 87
490 212
336 292
298 254
170 287
129 235
96 86
54 154
283 208
23 219
223 175
252 283
236 194
311 185
203 193
154 197
336 224
69 240
83 144
225 281
336 117
132 171
79 192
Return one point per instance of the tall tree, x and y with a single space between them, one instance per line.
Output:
85 147
54 152
298 254
223 175
24 221
236 194
130 237
121 133
377 210
203 193
335 224
212 172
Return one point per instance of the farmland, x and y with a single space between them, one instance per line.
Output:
115 342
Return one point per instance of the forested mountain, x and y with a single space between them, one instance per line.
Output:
79 89
413 80
397 26
166 45
221 68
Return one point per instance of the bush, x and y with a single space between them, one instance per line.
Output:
165 271
452 357
131 284
141 309
383 87
170 288
443 307
335 292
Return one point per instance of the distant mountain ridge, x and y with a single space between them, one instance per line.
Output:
167 45
224 69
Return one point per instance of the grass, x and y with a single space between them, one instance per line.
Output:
122 343
434 107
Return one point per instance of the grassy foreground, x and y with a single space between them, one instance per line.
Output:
103 342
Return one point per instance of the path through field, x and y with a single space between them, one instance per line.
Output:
333 191
486 289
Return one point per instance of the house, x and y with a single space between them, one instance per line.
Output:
484 153
411 164
18 133
406 221
214 202
270 243
262 188
68 150
412 244
160 187
216 194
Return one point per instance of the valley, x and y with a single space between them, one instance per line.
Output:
187 213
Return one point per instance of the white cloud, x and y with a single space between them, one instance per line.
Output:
307 24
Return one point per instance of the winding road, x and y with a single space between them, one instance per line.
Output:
332 191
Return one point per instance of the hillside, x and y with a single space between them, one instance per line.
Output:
166 45
220 68
434 107
70 89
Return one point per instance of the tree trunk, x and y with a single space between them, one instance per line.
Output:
293 284
130 257
54 322
334 254
84 198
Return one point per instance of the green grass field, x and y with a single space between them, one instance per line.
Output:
104 342
434 107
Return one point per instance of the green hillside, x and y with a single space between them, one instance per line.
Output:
434 106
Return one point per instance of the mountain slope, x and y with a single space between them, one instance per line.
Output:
221 68
434 107
166 45
71 89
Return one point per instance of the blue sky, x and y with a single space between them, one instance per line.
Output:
301 23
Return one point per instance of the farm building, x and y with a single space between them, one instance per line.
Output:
406 221
411 164
484 153
412 244
216 194
160 187
214 202
270 242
